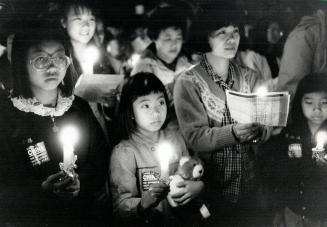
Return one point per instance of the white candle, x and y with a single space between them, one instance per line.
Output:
68 138
165 152
321 139
90 56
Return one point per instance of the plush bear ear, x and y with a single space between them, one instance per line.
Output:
183 160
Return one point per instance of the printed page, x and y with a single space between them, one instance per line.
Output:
270 109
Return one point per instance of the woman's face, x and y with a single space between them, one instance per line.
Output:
169 43
314 106
150 112
80 25
46 66
224 41
274 33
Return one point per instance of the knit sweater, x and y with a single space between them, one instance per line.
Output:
200 107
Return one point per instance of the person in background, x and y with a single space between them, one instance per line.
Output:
203 115
34 191
267 41
139 197
294 175
119 51
5 71
305 50
165 57
136 31
79 21
255 61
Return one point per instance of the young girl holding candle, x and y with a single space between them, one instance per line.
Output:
297 177
79 21
138 193
33 189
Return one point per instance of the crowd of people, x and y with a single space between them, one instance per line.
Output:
176 69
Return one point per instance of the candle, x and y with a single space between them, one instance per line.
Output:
68 138
321 139
165 152
90 56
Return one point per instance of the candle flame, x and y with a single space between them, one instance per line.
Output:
91 54
69 135
321 139
262 91
165 152
134 59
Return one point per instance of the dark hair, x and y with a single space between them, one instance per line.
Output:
314 82
212 17
163 18
140 84
36 33
77 6
260 41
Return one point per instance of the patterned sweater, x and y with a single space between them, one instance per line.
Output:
200 107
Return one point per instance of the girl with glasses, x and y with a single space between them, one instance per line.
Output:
33 189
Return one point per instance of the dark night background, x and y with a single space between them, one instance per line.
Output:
14 12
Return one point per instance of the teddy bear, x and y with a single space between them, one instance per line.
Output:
189 168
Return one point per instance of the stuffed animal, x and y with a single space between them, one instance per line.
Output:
189 168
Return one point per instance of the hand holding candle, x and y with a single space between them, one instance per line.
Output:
68 138
321 138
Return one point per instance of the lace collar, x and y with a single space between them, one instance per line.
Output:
34 106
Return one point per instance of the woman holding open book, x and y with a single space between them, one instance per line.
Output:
209 129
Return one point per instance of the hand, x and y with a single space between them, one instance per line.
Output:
190 190
109 99
246 132
321 161
62 185
154 195
263 135
71 191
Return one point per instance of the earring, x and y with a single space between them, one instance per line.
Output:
62 83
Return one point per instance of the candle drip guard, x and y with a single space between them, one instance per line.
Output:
318 153
69 169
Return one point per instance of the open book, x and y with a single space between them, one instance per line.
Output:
94 87
269 109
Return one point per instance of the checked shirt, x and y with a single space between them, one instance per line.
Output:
235 164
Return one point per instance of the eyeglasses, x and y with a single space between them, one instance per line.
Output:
43 62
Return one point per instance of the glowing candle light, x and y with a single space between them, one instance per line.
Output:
134 59
321 139
262 91
68 138
165 152
90 56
